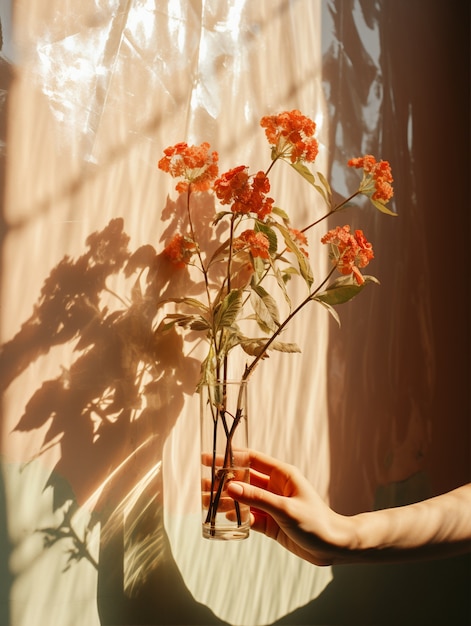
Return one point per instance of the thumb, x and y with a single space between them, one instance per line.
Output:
255 497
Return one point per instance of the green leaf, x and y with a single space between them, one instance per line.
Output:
270 234
304 172
207 373
256 346
325 184
232 337
329 308
199 324
303 263
193 302
179 319
342 290
259 267
320 190
291 270
281 213
229 309
382 207
265 308
281 279
253 347
282 346
324 189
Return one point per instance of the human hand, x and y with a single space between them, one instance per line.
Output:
285 507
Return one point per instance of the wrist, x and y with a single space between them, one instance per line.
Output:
369 537
344 538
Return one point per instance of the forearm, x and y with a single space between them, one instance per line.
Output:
437 527
285 507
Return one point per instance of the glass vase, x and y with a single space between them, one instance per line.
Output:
224 443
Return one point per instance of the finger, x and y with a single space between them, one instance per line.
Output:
259 480
258 521
255 497
266 464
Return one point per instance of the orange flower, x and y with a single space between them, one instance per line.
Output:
365 249
301 239
256 242
349 252
180 250
377 177
246 194
231 184
291 136
195 164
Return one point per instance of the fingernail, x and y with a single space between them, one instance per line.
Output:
236 489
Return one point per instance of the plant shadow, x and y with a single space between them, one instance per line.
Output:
110 411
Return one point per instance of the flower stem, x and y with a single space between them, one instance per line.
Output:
249 369
336 208
272 164
198 251
228 461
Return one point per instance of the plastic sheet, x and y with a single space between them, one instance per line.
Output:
374 412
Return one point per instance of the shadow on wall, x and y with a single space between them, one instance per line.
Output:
112 408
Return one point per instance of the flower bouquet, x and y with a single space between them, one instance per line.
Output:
260 247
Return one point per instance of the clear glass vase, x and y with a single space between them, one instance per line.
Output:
224 443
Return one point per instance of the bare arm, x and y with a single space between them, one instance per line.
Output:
436 527
286 508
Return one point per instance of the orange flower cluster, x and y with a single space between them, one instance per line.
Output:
195 164
246 194
291 135
256 242
349 252
180 250
301 239
376 172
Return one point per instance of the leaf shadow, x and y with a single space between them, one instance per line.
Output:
110 411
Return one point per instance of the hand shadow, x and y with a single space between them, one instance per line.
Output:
111 412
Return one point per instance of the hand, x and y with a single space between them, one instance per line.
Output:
285 507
